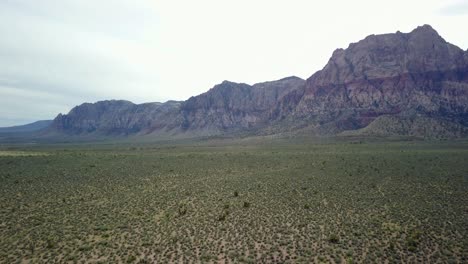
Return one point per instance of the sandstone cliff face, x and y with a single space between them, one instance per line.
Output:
117 117
236 106
413 73
406 76
228 106
389 55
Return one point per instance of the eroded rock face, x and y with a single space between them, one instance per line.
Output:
117 117
418 72
389 55
236 106
227 106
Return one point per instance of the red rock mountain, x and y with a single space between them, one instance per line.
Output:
398 79
406 74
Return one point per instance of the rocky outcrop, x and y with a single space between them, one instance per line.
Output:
236 105
118 117
405 74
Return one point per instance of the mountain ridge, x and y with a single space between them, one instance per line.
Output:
30 127
403 75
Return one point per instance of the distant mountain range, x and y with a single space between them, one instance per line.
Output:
413 84
32 127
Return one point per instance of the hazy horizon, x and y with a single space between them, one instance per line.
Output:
58 54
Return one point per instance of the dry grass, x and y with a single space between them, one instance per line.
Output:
5 153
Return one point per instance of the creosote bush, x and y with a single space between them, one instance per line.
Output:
334 239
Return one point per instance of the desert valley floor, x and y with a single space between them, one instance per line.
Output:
242 202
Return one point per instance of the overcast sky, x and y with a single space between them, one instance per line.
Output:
55 54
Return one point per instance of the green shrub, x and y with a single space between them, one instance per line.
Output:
131 259
334 239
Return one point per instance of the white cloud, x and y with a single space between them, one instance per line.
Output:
22 106
455 8
155 50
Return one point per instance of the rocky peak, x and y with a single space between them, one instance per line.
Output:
425 29
387 55
101 106
415 73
